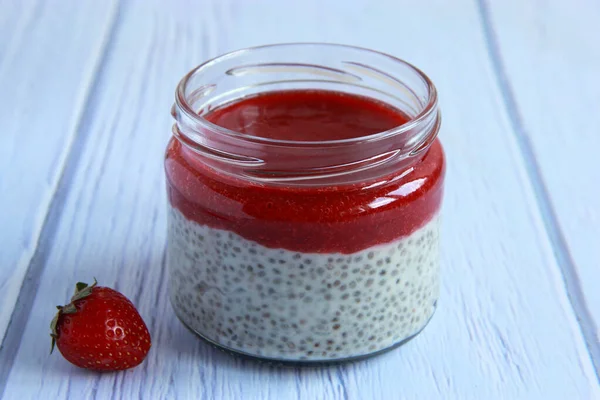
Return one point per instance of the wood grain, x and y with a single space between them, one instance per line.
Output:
505 327
551 58
45 81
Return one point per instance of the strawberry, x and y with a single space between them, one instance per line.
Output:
100 329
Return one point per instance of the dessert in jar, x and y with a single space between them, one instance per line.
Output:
304 186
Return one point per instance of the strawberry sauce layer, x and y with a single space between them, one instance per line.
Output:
334 219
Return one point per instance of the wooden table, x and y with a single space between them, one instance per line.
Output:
85 92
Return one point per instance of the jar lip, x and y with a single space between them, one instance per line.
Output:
420 118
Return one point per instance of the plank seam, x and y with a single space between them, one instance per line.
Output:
551 225
342 380
21 311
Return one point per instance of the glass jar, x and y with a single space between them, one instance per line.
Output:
296 251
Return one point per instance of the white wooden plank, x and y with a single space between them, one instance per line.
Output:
48 56
549 51
504 329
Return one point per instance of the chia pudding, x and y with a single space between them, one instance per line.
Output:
303 206
288 305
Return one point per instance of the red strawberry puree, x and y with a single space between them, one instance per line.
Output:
304 272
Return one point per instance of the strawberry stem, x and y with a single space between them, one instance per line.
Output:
82 290
80 286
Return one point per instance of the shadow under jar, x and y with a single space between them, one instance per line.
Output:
304 185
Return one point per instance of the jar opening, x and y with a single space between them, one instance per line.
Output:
333 67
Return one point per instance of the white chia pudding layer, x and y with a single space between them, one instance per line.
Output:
286 305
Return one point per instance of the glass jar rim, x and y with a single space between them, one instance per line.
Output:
423 115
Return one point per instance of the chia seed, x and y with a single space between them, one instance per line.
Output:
206 274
